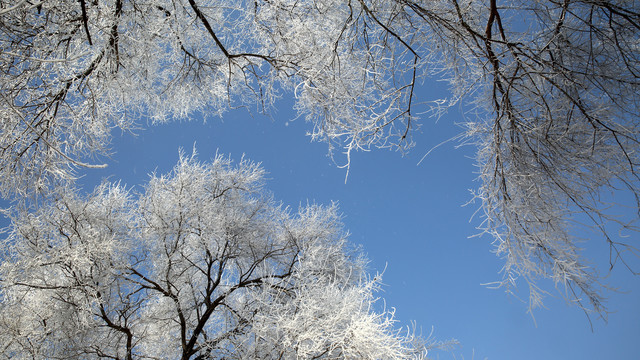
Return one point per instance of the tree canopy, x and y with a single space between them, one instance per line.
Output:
201 264
549 88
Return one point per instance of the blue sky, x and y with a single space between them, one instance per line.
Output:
410 222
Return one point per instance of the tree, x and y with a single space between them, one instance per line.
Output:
201 265
552 88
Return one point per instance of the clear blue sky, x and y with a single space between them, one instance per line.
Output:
410 221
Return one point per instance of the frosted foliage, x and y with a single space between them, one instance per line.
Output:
201 264
73 71
549 90
556 98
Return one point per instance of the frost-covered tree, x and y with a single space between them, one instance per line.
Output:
551 88
201 264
